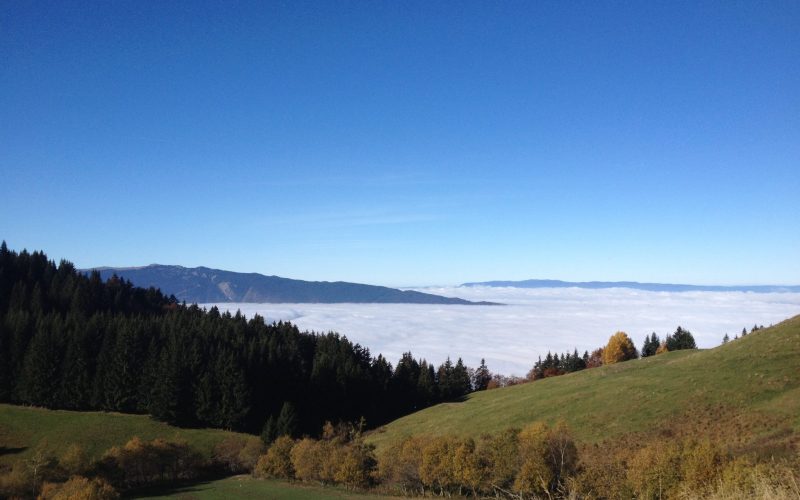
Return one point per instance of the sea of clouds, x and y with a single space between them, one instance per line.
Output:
511 337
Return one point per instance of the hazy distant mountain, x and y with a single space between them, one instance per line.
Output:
204 285
650 287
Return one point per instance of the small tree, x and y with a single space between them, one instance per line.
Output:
595 359
681 339
277 462
650 345
619 348
287 421
725 339
482 377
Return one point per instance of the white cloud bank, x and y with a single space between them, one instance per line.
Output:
534 321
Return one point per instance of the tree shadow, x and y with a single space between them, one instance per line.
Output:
11 451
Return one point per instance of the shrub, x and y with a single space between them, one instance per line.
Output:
238 454
400 465
307 456
602 474
469 470
79 488
17 482
140 463
548 458
357 466
701 465
534 476
436 467
277 462
74 461
655 471
500 455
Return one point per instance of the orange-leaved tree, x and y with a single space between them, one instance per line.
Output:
619 348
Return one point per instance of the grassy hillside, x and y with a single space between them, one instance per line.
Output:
747 391
22 428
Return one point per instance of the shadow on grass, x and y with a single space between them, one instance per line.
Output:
168 489
187 487
11 451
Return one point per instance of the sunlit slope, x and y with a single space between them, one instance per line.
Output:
22 429
748 388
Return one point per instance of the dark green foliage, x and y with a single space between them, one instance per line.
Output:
69 340
681 339
554 365
650 345
269 433
286 425
482 377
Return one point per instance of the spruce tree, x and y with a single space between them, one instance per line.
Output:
482 377
286 424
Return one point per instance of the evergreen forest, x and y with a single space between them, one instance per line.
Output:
73 341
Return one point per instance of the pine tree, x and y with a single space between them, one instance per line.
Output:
41 369
725 339
482 377
286 424
681 339
270 430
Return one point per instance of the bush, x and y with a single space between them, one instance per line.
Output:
548 457
277 462
141 463
602 474
400 465
701 465
307 456
79 488
18 482
74 461
436 468
534 476
357 466
499 454
654 470
238 454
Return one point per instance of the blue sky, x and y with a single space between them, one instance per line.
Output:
407 143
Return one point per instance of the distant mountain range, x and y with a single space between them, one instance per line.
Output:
650 287
204 285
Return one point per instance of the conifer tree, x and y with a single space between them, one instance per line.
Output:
482 377
286 425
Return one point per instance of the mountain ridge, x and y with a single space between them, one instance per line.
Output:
208 285
635 285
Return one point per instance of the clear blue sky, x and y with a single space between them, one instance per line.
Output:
407 143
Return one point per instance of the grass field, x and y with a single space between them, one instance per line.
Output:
747 390
23 428
247 487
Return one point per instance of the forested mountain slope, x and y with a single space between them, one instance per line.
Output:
204 285
77 342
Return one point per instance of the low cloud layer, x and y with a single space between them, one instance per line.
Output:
534 321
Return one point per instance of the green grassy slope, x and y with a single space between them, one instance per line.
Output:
22 428
748 389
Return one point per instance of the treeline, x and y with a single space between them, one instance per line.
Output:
619 348
73 341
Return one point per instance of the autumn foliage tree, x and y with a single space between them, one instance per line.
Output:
619 348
